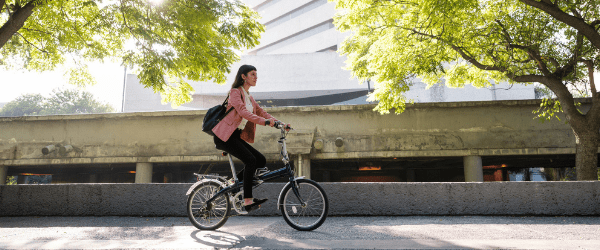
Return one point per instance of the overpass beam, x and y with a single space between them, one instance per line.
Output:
3 171
143 172
473 168
302 163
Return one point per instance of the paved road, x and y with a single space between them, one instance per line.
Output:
411 232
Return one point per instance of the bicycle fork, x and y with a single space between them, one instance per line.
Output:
294 187
297 193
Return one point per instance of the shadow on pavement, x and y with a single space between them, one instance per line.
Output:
216 239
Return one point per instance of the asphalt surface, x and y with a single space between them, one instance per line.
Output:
400 232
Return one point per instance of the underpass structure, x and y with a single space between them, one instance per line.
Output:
427 142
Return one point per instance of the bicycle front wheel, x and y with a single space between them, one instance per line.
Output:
208 216
307 215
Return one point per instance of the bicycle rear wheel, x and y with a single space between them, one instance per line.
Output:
208 216
305 216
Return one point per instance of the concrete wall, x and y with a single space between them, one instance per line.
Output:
423 130
488 198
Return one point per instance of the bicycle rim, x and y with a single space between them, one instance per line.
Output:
312 213
207 217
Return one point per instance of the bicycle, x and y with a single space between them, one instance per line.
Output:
302 202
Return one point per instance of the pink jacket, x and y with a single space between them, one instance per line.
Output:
225 128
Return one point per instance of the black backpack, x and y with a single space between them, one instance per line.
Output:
214 115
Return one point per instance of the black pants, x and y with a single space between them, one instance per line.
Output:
251 158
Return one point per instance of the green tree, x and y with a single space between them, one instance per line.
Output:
61 102
554 43
72 101
178 40
28 104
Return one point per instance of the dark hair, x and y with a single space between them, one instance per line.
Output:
239 81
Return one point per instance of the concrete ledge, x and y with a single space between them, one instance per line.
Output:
488 198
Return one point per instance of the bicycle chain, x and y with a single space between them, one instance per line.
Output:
237 214
233 209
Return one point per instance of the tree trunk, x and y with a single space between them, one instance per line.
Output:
586 128
586 154
15 22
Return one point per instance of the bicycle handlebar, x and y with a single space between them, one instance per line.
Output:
278 124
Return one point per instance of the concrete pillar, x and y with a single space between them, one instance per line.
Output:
473 168
3 171
143 172
302 164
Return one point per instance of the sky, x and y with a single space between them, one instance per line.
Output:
109 87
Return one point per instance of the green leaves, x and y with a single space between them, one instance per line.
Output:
80 76
177 94
175 39
549 108
398 42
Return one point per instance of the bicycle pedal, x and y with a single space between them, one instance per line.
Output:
262 171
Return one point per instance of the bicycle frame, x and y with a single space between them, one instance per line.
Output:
285 171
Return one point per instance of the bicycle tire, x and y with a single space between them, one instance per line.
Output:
214 217
309 216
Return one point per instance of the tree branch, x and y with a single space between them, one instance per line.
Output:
575 13
590 66
579 24
554 62
570 66
528 78
462 53
474 61
34 30
2 5
535 56
16 22
508 38
30 43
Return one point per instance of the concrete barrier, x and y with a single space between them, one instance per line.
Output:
488 198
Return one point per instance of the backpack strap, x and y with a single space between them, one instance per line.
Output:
226 102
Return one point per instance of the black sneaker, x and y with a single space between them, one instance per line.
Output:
255 204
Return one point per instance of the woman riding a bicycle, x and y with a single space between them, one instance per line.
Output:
236 130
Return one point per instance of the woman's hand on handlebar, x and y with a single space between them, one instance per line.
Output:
279 124
270 122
